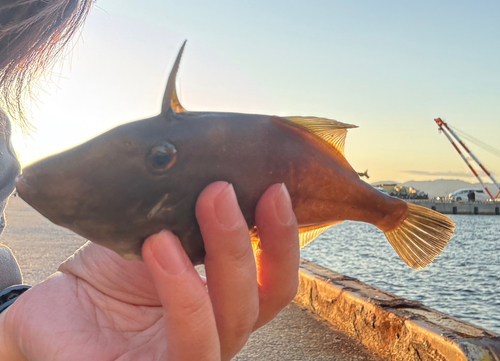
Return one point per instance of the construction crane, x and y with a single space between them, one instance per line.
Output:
454 139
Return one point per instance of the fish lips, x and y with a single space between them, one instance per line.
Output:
24 190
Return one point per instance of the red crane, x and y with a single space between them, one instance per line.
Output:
450 134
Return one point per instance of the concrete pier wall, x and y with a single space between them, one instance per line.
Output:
478 208
393 327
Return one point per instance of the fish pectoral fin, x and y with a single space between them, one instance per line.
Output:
331 131
422 236
307 234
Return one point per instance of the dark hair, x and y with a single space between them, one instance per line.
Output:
33 34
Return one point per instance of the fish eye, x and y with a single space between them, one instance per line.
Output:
161 157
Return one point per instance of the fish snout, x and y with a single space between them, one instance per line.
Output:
30 188
23 188
47 195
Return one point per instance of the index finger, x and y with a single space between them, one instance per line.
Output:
279 255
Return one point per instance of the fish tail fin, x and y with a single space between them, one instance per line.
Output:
422 236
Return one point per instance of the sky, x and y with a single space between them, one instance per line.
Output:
389 67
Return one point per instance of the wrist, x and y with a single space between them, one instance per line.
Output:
10 294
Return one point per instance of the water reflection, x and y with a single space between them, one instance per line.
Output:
463 281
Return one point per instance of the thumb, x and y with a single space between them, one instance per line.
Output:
190 326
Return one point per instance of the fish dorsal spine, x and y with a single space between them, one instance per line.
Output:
170 98
331 131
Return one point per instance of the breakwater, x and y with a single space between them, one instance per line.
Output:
462 282
446 207
396 328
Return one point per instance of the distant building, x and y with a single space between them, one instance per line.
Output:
388 187
401 191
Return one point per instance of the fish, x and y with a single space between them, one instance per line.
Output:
145 176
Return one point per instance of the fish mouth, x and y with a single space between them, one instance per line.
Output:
23 188
32 191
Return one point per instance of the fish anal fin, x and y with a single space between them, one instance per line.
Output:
331 131
307 234
310 233
254 236
422 236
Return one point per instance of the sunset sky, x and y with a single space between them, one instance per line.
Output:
389 67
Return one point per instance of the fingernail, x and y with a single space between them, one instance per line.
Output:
227 210
283 205
168 252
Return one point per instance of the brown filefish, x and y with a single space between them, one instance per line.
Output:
141 177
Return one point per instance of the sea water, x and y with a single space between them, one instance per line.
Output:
464 281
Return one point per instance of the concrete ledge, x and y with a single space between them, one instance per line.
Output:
393 327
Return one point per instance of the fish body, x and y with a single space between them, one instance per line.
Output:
141 177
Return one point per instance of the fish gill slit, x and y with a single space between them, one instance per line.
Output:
157 207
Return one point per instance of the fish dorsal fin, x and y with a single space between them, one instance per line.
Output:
329 130
170 99
307 234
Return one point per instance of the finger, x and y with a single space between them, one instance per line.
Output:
279 256
190 326
229 265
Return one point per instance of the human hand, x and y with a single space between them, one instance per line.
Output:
101 307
